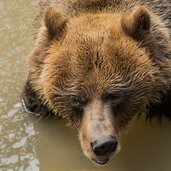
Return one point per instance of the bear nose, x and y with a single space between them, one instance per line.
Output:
104 145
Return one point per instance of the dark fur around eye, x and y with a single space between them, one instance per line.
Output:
77 103
113 98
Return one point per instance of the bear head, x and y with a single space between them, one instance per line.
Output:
99 70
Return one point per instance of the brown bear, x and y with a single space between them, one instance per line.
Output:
101 63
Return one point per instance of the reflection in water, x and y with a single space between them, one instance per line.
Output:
29 144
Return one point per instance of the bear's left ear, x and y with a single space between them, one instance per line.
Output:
137 24
54 22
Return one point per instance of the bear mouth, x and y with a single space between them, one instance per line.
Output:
101 161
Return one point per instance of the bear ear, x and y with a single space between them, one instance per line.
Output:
54 22
137 24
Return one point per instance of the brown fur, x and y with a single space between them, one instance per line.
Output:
100 63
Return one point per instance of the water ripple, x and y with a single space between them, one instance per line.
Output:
17 141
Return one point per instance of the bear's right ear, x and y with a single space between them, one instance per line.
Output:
138 23
54 22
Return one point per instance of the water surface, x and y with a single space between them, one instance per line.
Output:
29 144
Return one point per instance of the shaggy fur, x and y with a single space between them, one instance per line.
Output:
100 63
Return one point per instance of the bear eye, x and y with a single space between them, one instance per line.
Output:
76 102
113 98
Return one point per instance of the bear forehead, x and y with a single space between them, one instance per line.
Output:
96 43
99 35
95 51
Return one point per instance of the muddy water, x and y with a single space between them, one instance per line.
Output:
29 144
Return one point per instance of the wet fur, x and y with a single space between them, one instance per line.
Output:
33 104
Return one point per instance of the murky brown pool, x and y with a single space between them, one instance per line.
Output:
28 144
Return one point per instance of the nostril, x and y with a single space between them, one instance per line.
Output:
112 147
104 145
